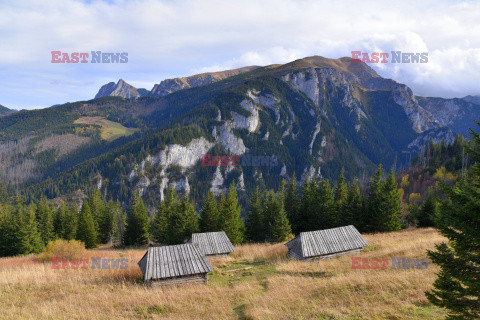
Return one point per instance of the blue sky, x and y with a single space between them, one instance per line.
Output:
166 39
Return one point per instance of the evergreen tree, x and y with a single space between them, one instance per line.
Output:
324 217
44 215
353 207
86 227
210 217
231 222
28 239
138 223
119 221
183 222
255 223
340 198
97 207
60 220
292 204
107 223
389 215
372 205
70 223
167 208
278 227
306 210
457 287
428 213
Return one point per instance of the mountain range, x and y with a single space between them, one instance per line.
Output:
313 117
5 111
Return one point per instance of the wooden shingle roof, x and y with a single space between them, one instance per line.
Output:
211 243
173 261
329 241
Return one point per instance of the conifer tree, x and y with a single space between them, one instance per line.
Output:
307 208
457 287
210 217
428 212
86 228
255 222
44 215
183 222
70 223
354 207
138 223
373 200
292 203
340 199
28 239
388 213
167 208
231 221
279 226
324 216
60 220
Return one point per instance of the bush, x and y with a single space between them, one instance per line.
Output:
64 249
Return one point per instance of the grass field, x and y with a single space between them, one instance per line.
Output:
256 282
109 130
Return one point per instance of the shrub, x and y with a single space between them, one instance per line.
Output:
64 249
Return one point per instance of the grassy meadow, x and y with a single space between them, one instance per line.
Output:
256 282
109 130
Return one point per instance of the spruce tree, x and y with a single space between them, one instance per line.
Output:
231 221
138 223
388 216
306 210
183 222
324 217
70 223
279 225
163 216
457 287
292 203
428 212
44 215
340 198
86 228
210 217
60 220
28 239
255 222
353 207
372 205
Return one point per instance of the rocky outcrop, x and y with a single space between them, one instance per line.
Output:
119 89
172 85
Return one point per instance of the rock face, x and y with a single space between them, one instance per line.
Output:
171 85
120 89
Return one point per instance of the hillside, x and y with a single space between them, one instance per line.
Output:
313 116
5 110
257 282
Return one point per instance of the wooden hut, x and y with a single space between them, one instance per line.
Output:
327 243
213 243
174 264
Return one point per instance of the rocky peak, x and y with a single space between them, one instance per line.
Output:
171 85
120 89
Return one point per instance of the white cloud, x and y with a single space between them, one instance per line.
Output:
178 38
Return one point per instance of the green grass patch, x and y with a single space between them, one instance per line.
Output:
109 130
242 271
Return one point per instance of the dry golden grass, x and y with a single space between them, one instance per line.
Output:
256 282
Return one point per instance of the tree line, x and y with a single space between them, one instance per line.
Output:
270 217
